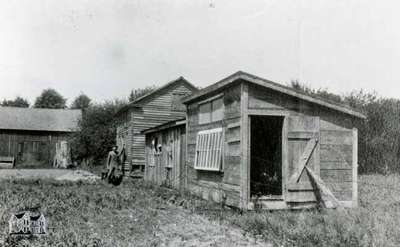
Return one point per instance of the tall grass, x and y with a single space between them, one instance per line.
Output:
134 214
374 223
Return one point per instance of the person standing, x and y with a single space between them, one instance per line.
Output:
113 161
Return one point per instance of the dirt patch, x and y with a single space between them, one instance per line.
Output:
78 175
58 174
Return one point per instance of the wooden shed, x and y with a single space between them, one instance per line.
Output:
158 107
165 154
32 136
253 143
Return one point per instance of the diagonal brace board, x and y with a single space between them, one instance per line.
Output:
327 196
305 157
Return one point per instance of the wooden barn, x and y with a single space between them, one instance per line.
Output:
158 107
31 136
165 154
254 143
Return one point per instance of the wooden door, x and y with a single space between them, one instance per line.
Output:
302 150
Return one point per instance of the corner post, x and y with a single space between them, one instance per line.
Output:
244 140
355 168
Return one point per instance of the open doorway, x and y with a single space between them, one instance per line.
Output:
266 156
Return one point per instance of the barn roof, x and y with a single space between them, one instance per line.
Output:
240 75
39 119
139 101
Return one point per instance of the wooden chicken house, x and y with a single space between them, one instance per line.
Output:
250 142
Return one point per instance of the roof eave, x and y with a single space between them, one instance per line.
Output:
181 78
271 85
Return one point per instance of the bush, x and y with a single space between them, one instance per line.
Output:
97 132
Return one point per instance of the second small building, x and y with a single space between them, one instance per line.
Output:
249 142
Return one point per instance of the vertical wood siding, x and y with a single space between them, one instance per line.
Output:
168 168
43 152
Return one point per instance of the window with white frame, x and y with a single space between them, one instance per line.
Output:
211 111
209 150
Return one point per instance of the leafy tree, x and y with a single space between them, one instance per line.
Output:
81 102
136 93
97 132
17 102
50 98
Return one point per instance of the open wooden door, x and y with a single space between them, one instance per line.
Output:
302 152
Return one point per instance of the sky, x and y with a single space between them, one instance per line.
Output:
105 48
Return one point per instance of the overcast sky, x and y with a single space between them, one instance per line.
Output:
105 48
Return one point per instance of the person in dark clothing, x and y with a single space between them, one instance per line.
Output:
113 162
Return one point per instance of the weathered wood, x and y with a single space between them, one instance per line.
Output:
335 165
336 137
302 135
301 196
336 175
355 168
340 153
244 140
154 110
269 112
300 186
305 157
329 200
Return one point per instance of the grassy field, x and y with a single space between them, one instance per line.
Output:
137 214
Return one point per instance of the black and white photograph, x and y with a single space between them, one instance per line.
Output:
199 123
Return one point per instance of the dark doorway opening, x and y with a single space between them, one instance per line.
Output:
266 156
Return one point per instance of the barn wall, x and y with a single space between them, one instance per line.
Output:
336 136
211 185
42 156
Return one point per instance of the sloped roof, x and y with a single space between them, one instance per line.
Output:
38 119
164 126
148 95
138 102
240 75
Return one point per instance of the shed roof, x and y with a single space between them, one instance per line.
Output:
240 75
139 101
164 126
39 119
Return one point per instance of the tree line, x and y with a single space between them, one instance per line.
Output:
51 99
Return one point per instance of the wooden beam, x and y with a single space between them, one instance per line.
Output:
245 164
327 196
211 98
355 167
269 112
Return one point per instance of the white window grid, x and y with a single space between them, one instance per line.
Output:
209 149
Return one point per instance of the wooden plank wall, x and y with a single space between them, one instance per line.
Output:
336 137
211 185
124 131
337 159
164 173
153 113
47 142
